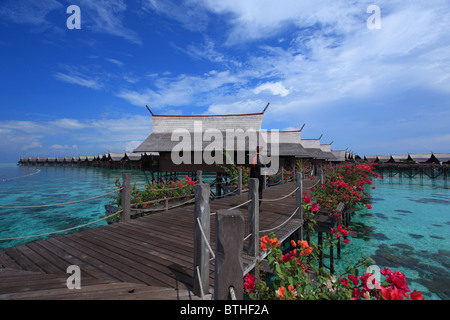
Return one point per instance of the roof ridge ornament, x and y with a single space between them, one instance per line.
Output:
149 110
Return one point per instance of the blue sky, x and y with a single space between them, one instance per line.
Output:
83 91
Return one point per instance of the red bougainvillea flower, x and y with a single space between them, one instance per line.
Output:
307 199
315 207
392 294
353 279
416 295
368 206
249 282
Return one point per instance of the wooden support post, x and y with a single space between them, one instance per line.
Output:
166 204
199 177
339 247
126 197
229 268
253 217
320 244
282 175
320 176
201 250
239 181
298 201
331 256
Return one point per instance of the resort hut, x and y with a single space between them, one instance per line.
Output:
370 158
442 158
419 157
187 143
339 155
60 160
290 149
326 148
313 147
398 158
382 159
133 160
51 160
115 160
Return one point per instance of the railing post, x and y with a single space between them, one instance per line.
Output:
199 177
253 217
201 250
320 175
229 268
239 181
126 197
298 200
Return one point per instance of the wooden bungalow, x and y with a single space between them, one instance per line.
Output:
442 158
382 159
398 158
419 157
290 149
187 143
319 156
115 160
370 158
339 155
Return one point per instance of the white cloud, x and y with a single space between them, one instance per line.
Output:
276 88
78 79
32 145
106 17
36 138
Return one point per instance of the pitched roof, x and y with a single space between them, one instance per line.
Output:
370 158
339 155
442 157
383 158
233 129
420 157
399 157
114 156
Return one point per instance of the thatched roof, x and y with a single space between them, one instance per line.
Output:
399 157
370 158
420 157
114 156
442 157
339 155
383 158
313 147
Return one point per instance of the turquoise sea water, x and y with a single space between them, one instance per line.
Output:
44 185
408 228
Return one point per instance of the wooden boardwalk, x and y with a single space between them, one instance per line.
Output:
148 258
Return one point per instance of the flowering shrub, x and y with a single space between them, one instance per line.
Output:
298 277
154 194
